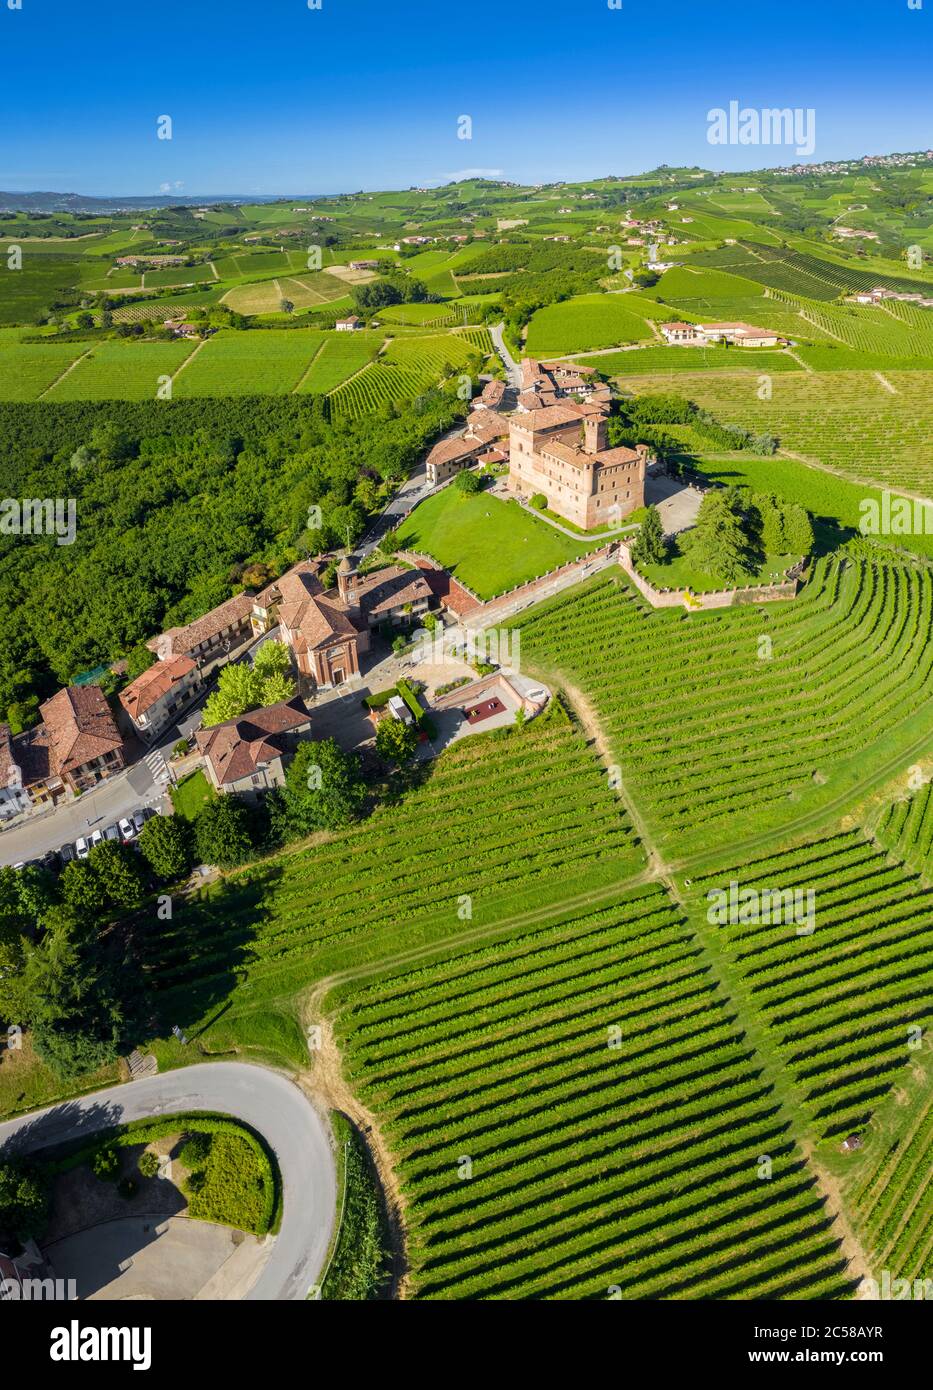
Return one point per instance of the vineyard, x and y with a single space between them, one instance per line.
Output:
244 364
408 367
552 1144
28 369
798 273
869 329
891 1205
396 878
906 828
846 419
126 371
841 1001
767 712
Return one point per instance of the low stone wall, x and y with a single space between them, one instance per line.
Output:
718 598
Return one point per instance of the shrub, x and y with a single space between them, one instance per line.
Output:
196 1150
538 501
148 1164
106 1164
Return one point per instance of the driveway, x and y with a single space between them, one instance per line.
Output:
263 1099
512 369
677 502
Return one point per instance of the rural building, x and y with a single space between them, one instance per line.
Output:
248 754
364 265
492 396
349 325
211 640
741 334
450 456
84 744
550 383
680 332
154 700
562 452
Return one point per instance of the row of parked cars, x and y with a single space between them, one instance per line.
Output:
126 831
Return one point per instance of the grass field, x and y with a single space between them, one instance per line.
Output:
244 364
488 544
28 369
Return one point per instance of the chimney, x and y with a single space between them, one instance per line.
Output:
594 433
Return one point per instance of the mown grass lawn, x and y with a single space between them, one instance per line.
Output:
489 544
190 794
677 572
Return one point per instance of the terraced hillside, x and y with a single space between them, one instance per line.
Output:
740 722
553 1145
906 828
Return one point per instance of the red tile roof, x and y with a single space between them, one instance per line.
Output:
80 727
238 747
142 693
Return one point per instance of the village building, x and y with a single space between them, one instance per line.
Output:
154 700
485 429
491 396
326 631
14 797
84 744
364 265
348 325
680 332
211 640
741 334
247 755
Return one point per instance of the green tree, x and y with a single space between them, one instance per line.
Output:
395 742
117 870
237 691
165 844
24 1201
718 543
82 888
649 547
467 482
138 661
69 995
798 530
223 832
323 787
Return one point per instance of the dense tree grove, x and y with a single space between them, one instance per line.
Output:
176 503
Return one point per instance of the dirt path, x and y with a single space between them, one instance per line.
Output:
885 383
325 1083
829 1186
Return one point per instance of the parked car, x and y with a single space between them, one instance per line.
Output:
139 819
112 832
96 838
127 829
82 848
66 854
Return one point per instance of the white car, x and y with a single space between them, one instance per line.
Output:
82 848
96 838
127 829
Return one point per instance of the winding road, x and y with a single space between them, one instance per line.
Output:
263 1099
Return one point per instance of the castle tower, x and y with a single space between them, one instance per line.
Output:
595 435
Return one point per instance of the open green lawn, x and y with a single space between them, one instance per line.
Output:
677 572
488 544
191 793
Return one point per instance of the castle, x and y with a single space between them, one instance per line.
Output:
558 447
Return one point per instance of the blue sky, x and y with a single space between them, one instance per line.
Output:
268 96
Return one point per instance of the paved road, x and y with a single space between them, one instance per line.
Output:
266 1101
511 366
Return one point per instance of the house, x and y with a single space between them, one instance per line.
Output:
364 265
349 325
562 452
548 383
154 700
84 743
32 756
247 754
450 456
741 334
680 332
491 396
211 640
14 797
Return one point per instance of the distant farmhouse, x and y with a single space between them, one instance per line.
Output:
703 334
